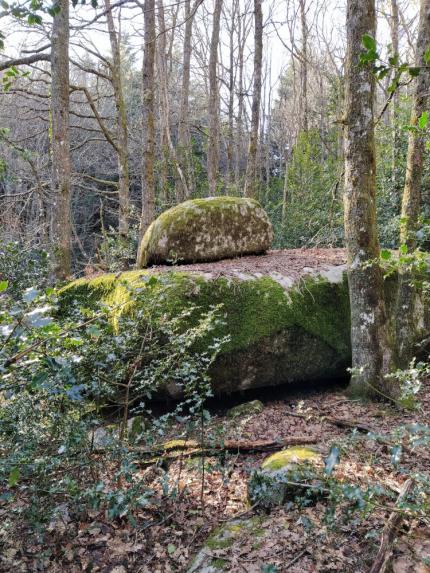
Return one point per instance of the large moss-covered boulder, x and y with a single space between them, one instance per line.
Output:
286 322
208 229
276 335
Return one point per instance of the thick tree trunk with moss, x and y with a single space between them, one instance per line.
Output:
213 103
148 122
61 170
407 296
372 356
251 168
121 124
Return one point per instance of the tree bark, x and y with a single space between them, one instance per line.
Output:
406 299
394 29
231 87
163 114
304 122
371 343
240 102
168 149
213 103
251 168
61 168
184 141
148 122
121 120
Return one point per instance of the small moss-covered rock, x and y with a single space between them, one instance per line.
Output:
208 229
246 409
210 557
280 475
136 426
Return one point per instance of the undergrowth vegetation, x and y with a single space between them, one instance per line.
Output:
79 428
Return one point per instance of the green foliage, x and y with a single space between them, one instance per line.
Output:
117 253
313 209
409 382
58 375
23 266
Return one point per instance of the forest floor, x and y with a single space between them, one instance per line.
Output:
295 539
292 263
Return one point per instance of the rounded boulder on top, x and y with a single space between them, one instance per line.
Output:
203 230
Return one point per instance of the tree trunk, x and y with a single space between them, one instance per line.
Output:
162 83
121 121
213 103
251 168
406 317
394 28
304 124
61 168
231 86
184 141
148 123
240 103
371 344
168 149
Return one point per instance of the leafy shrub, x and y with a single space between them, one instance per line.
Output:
58 375
23 266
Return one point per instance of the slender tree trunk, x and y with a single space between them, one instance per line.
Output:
61 168
148 122
304 122
162 83
213 103
121 121
168 149
240 102
231 86
285 192
371 344
184 140
251 168
406 315
394 28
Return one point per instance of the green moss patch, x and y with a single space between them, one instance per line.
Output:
286 457
246 409
251 309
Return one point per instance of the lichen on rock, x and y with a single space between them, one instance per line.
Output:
210 557
281 475
207 229
246 409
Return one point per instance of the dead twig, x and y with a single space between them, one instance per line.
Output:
383 557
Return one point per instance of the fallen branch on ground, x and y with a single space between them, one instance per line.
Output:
339 422
383 558
171 451
235 446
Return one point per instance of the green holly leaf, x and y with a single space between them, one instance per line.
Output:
368 42
171 549
13 477
422 121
